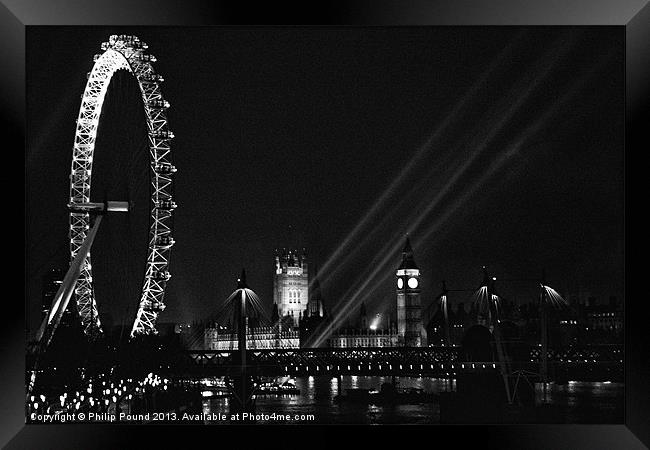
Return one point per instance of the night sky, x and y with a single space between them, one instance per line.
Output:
496 146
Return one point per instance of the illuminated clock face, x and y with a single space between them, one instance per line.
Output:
400 283
413 283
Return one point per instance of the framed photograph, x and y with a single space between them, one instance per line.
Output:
265 226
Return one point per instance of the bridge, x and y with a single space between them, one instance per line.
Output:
587 363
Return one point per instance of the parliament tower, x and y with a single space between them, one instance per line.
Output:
291 284
410 327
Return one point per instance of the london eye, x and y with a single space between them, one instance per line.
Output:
121 54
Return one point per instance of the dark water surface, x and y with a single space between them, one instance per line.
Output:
575 402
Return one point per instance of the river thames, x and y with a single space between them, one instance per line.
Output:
574 402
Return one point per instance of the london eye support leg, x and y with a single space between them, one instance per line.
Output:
61 300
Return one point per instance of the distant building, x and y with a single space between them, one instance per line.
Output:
258 334
364 334
458 321
222 338
314 317
345 338
291 284
577 322
315 305
608 318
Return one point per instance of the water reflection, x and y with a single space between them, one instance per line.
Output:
334 387
577 402
584 402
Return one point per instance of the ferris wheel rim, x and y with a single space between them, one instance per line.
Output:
124 52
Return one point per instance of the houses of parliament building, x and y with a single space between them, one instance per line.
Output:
298 311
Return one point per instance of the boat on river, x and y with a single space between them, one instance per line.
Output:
275 388
389 394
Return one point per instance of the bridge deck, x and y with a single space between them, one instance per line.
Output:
595 362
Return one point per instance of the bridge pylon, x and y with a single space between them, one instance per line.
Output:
242 384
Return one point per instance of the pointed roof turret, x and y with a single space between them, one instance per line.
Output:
408 262
407 246
291 259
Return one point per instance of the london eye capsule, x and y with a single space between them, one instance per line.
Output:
164 241
82 291
161 275
145 57
152 77
158 104
156 307
137 43
162 134
165 168
166 204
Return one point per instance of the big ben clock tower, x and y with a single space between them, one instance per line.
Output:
410 329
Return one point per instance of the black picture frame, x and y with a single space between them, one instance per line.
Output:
634 15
